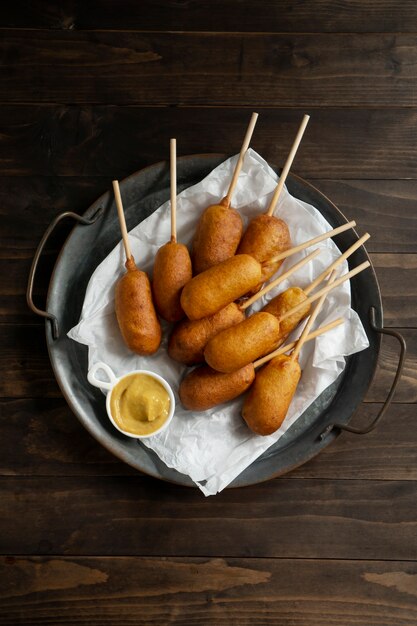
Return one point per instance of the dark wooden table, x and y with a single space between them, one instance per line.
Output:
93 90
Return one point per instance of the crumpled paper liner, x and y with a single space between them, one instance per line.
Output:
215 446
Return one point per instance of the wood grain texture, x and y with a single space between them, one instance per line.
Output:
115 141
385 208
389 452
387 367
212 591
397 277
389 218
27 373
27 206
43 438
265 70
131 515
213 15
393 272
38 200
91 91
24 362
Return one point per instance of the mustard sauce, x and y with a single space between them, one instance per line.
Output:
139 404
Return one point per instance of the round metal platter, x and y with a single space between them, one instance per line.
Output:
86 246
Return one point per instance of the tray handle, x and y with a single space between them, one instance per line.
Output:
29 291
401 359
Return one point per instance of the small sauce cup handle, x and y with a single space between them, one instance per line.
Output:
101 384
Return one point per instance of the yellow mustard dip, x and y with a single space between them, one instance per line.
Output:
139 404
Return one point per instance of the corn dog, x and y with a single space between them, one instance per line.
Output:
267 403
172 266
267 235
220 227
136 316
293 296
189 337
235 347
210 291
265 409
205 388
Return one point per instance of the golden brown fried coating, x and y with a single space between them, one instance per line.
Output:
265 237
189 338
212 290
282 303
135 311
217 236
172 270
267 402
204 388
239 345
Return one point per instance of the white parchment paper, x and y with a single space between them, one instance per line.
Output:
215 446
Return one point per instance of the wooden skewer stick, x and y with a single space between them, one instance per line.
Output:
173 181
287 165
245 145
311 320
279 280
290 346
312 242
326 289
122 220
336 263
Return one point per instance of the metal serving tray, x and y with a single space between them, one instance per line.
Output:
91 240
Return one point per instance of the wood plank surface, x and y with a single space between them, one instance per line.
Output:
387 453
91 91
216 591
43 438
387 367
40 199
224 69
129 515
112 141
385 208
27 373
393 272
213 15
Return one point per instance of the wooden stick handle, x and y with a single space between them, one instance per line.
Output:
245 145
326 289
287 165
311 320
122 220
336 263
279 280
290 346
173 181
312 242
